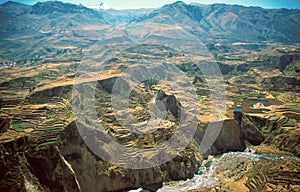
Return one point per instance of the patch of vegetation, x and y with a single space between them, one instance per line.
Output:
149 83
251 94
122 67
295 106
206 108
235 100
41 75
290 123
49 129
46 143
17 127
200 98
74 65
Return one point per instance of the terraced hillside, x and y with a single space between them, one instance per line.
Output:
37 109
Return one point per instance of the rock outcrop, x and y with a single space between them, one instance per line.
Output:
52 92
171 103
28 167
225 69
250 127
230 137
269 129
94 174
236 132
282 83
283 61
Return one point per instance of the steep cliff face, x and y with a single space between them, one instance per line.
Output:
234 134
27 167
230 137
284 83
250 127
94 174
283 61
271 129
69 165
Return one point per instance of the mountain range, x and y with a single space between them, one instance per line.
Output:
48 27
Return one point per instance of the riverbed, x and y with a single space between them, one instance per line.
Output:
206 177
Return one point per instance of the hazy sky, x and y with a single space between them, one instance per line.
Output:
131 4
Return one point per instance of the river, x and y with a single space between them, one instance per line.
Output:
206 177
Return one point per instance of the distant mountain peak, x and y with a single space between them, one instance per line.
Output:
179 3
12 3
175 4
9 3
47 7
15 8
234 22
56 3
191 11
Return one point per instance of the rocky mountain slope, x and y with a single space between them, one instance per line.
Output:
45 28
51 26
229 22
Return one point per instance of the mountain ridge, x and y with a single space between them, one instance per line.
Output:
248 22
45 28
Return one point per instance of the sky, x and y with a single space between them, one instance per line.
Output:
133 4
